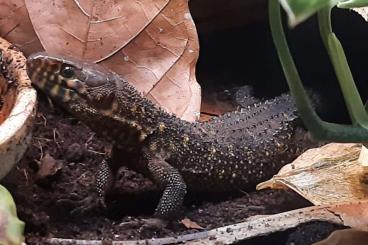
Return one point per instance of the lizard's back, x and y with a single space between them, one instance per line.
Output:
236 150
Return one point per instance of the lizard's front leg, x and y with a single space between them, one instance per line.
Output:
174 190
104 181
169 178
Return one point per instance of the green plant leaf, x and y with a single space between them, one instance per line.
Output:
11 228
352 4
344 76
318 128
300 10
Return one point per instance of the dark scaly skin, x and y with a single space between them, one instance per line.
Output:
232 152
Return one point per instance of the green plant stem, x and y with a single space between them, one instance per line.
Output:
318 128
336 52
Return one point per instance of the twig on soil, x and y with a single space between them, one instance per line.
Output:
39 146
41 150
26 175
54 135
50 103
251 207
82 176
96 152
89 140
44 119
42 138
251 228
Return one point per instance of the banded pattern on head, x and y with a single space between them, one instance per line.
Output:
94 94
65 79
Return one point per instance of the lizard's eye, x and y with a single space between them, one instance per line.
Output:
67 71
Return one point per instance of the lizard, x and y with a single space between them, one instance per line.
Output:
228 153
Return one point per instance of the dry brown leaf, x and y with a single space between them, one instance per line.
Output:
353 214
346 237
324 175
152 43
16 27
48 167
189 224
92 30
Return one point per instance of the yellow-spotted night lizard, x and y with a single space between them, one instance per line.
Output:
231 152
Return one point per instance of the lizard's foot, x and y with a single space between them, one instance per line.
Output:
153 224
85 205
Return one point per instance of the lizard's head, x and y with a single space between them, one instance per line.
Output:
76 85
92 93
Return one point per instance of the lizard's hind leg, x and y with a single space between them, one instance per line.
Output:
172 183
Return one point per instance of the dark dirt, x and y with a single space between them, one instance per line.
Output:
64 153
62 160
308 233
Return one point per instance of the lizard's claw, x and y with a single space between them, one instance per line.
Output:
85 205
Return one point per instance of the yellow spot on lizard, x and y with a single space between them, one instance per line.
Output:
161 127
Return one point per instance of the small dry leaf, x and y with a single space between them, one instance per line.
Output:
346 237
324 175
189 224
48 167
